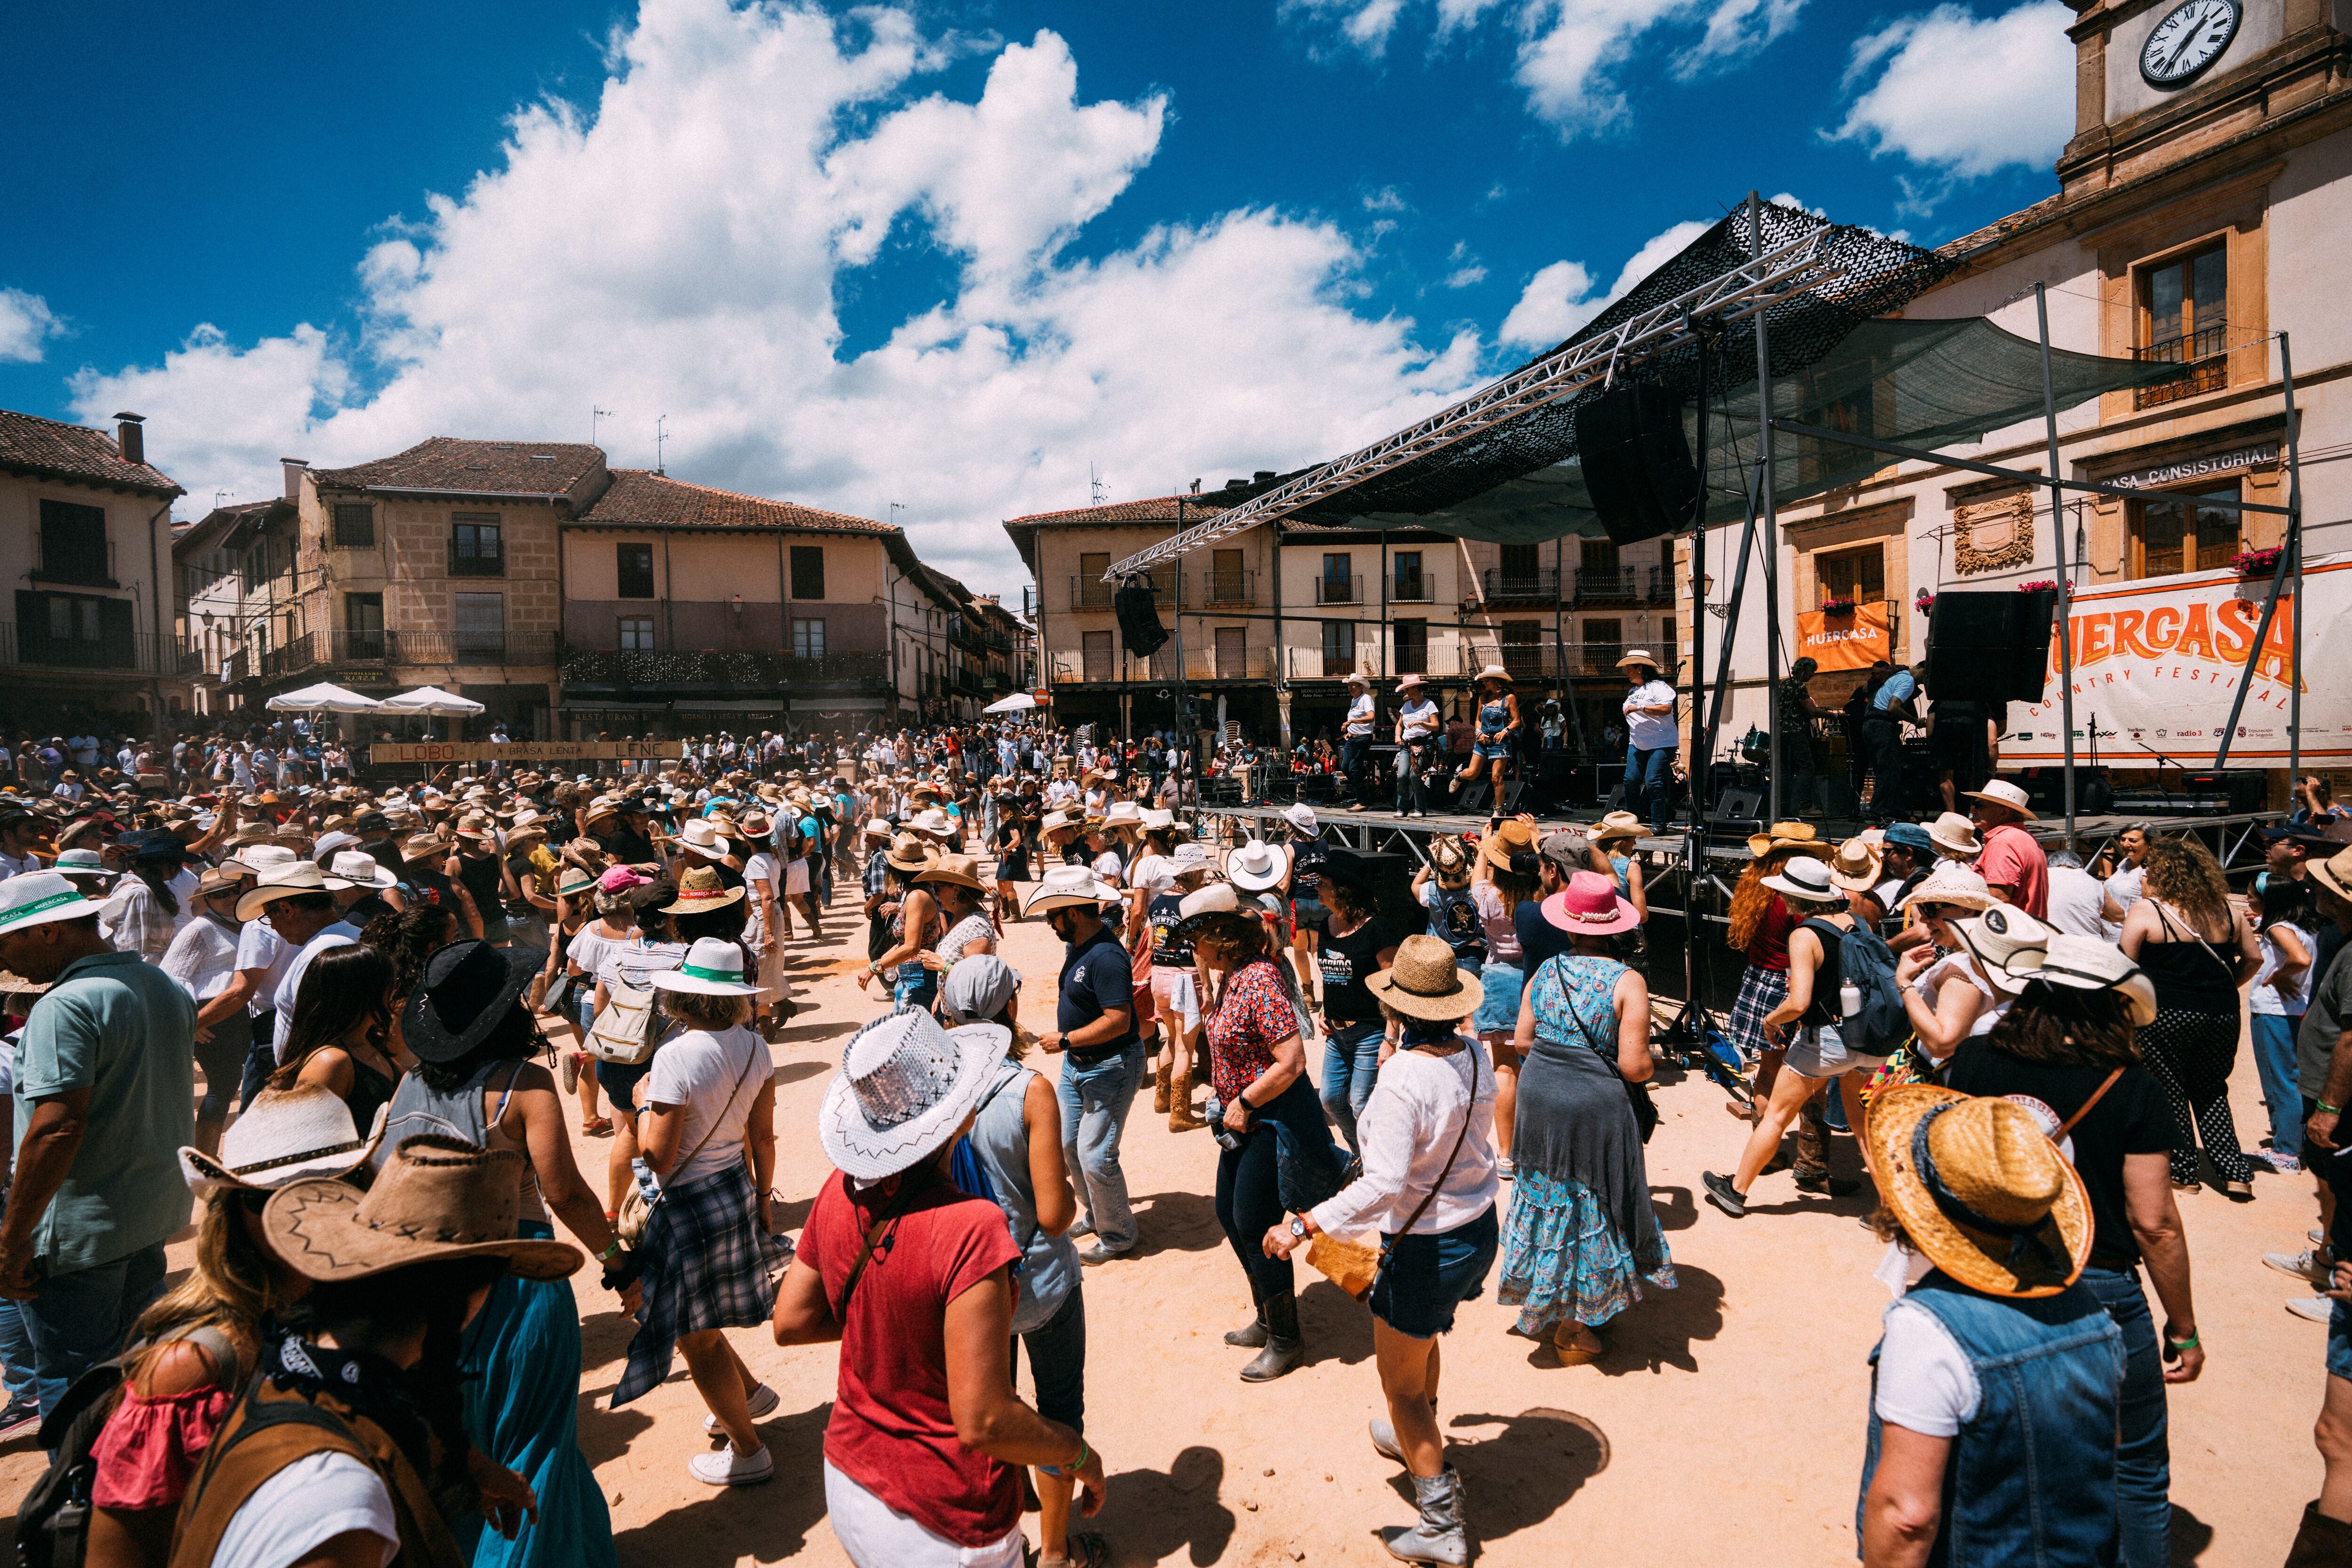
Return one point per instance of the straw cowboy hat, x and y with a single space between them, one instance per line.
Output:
1616 824
259 858
286 1135
1955 834
702 837
876 827
435 1199
2007 943
1951 883
699 891
425 846
1060 821
1123 814
909 852
1589 906
1806 879
1513 838
905 1087
358 869
1782 836
960 870
1360 680
1854 866
1203 904
38 898
1065 886
332 840
77 864
1154 819
575 882
1253 868
2335 874
290 880
1981 1190
2001 792
1423 982
713 967
467 990
1493 672
598 809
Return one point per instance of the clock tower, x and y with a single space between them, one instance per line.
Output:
2162 82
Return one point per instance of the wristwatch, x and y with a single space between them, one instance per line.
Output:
1298 1228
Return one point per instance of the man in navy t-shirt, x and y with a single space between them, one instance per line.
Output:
1102 1055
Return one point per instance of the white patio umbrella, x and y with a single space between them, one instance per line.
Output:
432 701
1020 701
324 698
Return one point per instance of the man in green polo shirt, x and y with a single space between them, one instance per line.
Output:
105 1097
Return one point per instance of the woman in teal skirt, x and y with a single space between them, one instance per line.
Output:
1582 1238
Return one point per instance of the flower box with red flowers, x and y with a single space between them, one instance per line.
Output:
1837 607
2258 562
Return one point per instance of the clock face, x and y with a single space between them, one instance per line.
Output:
2191 36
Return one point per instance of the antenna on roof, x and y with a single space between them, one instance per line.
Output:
594 413
1095 479
218 497
659 437
896 508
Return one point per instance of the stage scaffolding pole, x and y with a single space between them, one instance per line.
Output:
1771 522
2058 542
2290 566
1695 845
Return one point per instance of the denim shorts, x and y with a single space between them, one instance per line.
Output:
1426 1276
1498 750
1499 1013
2339 1341
619 1082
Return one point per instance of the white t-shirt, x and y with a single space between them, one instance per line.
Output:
2075 900
1418 718
1959 970
18 865
342 934
1651 731
588 950
2125 886
1109 867
1154 872
1361 709
258 947
2260 996
203 957
1924 1383
304 1506
716 1078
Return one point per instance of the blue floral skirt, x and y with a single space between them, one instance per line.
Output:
1562 1261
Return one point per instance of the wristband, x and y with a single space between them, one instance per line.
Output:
1077 1464
611 1252
2191 1344
2330 1110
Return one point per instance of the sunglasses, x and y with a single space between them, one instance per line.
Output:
1938 911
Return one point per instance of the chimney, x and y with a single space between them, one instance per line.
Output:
295 468
1260 476
129 438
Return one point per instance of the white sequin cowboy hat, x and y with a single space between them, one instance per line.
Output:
905 1087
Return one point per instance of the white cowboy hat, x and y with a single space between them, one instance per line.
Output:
2007 943
328 842
38 898
905 1087
259 857
1493 673
1360 680
358 869
1951 883
1064 886
79 863
713 967
285 1135
1154 819
1299 814
1955 834
290 880
1639 655
935 822
702 836
2001 792
1123 814
2090 963
1807 878
1256 866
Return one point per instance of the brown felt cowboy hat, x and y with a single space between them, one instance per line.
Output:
1513 838
436 1199
1981 1190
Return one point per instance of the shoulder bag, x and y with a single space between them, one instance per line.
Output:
1355 1267
637 1210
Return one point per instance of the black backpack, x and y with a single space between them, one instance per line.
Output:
53 1521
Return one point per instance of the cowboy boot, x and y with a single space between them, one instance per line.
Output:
1180 1116
1252 1335
1159 1085
1285 1347
2322 1542
1440 1535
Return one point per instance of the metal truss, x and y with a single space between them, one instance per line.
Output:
1756 285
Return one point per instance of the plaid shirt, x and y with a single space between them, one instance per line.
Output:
877 873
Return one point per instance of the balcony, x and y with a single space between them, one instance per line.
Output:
467 561
359 647
1202 666
2204 358
467 647
1541 587
1091 593
138 653
1420 590
1214 588
1338 590
605 670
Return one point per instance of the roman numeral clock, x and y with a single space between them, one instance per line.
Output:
2188 40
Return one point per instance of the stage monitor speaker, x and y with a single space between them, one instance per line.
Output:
1739 803
1637 461
1138 619
1990 648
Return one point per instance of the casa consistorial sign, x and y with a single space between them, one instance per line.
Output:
2255 457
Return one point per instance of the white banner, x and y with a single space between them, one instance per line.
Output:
2157 666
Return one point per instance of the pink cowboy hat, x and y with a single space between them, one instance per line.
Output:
1589 906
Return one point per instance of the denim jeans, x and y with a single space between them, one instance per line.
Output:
1057 1362
2274 1059
1411 759
15 1352
1354 752
2144 1458
261 1058
1249 1185
1095 1098
1351 1062
1650 776
80 1318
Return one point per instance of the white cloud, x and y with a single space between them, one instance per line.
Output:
678 248
1387 199
1561 297
1571 53
1463 277
26 323
1965 95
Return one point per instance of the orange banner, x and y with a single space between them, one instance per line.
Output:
1852 640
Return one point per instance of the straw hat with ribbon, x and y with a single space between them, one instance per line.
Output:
1854 866
960 870
1981 1190
1253 868
1589 906
713 967
1512 838
1951 883
905 1087
2001 793
700 891
38 898
358 869
286 1135
1953 833
1424 982
575 881
425 846
2007 943
433 1199
910 852
1616 824
1807 880
1639 655
1065 886
1782 836
77 864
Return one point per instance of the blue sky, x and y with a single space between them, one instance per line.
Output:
954 256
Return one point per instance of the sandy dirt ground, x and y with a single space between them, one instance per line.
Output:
1726 1423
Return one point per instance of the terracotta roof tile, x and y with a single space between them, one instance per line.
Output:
1154 509
472 468
31 445
639 496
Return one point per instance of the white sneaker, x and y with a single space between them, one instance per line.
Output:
2307 1265
726 1467
763 1401
2317 1309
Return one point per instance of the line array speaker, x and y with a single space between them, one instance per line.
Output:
1637 461
1990 648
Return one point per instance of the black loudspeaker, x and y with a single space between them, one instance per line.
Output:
1637 461
1991 647
1138 619
1387 877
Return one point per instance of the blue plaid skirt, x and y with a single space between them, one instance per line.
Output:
707 1266
1760 990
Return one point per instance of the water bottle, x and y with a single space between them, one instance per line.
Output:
1848 999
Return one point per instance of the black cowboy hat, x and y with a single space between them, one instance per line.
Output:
467 990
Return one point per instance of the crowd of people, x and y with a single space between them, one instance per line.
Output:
356 1037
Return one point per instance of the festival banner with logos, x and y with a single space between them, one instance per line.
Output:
2157 666
1843 639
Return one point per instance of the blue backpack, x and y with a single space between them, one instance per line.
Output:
1866 962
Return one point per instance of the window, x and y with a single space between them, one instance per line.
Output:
75 631
1412 641
362 626
636 633
1522 649
1338 646
481 624
474 551
808 570
254 567
73 543
355 526
1228 583
1604 643
1095 653
1597 555
1338 583
2177 533
808 638
1667 648
72 619
1233 653
2184 311
1407 583
1853 577
633 567
1519 562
